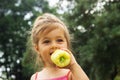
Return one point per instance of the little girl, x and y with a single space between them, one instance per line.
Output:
48 34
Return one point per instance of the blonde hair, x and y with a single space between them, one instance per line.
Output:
44 24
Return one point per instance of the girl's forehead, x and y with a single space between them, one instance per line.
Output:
56 33
51 27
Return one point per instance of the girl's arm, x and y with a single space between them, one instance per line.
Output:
77 72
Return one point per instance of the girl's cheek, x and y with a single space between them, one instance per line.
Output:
64 46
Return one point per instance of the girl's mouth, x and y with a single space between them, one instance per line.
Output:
51 53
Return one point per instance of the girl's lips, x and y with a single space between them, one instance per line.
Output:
52 51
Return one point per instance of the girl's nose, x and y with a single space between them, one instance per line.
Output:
54 46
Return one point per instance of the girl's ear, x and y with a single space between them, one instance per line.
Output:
36 48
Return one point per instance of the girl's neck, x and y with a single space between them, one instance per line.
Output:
50 67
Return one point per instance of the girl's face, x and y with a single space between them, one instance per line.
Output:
49 42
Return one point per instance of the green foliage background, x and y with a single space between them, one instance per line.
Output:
96 36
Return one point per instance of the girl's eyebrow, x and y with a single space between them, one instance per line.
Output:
44 38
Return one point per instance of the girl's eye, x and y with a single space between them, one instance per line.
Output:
46 41
59 40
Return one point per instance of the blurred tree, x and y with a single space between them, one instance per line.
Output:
96 29
107 36
16 17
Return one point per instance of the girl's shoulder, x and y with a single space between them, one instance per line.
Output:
37 74
34 76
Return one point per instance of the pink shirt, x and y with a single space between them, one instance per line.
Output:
59 78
